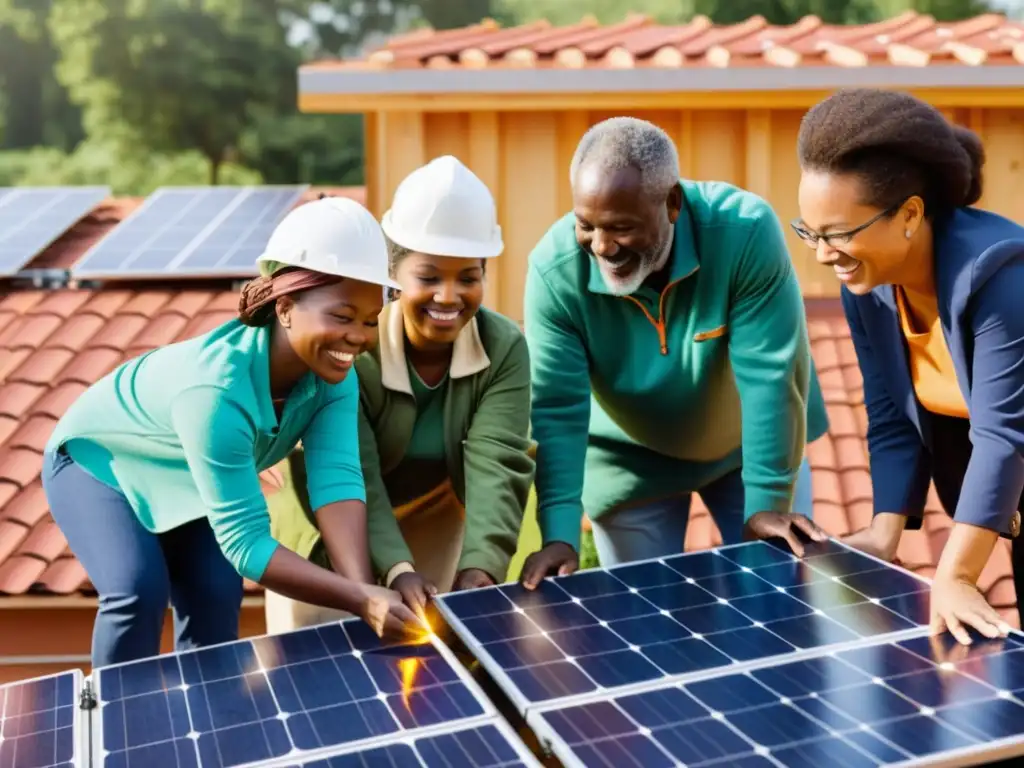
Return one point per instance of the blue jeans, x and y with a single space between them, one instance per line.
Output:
137 573
659 529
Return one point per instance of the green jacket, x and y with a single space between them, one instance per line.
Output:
486 414
638 398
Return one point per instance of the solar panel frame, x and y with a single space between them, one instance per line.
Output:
123 270
523 755
67 206
79 717
983 752
488 715
832 550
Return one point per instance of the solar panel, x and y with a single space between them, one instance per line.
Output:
191 232
605 630
31 218
918 700
492 745
39 722
306 693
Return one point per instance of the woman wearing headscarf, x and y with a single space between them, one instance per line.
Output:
153 473
931 290
445 406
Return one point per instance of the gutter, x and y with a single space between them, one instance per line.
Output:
315 80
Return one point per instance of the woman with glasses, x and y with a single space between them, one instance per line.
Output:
931 288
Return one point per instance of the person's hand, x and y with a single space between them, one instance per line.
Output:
784 525
880 539
388 615
415 591
958 604
472 578
556 556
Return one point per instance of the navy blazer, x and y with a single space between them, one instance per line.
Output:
979 282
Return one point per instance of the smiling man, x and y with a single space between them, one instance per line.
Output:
669 355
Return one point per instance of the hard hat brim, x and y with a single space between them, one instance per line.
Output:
441 246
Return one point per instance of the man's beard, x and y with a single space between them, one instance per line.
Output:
648 263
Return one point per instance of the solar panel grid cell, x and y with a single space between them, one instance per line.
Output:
32 218
485 746
276 696
919 699
601 630
38 722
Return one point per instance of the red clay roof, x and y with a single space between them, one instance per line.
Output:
53 344
910 39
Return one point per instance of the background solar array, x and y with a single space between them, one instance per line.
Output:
38 722
602 630
32 218
879 703
182 231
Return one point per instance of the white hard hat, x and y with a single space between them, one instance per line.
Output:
443 209
333 235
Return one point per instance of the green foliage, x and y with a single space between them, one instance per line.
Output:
325 150
173 75
560 12
128 172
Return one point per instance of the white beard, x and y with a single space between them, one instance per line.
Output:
619 287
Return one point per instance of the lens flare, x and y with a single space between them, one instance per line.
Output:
408 669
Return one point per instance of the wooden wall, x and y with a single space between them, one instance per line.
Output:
524 158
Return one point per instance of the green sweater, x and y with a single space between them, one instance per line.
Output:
638 398
486 439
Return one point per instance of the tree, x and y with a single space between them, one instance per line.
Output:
171 75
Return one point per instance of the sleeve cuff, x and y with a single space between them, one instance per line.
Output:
397 570
335 492
561 523
255 563
765 500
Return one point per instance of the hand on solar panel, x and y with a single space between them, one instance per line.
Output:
784 525
557 557
388 616
472 578
415 591
957 604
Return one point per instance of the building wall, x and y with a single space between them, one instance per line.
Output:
524 156
41 631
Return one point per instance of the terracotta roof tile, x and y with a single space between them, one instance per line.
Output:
53 344
43 366
909 39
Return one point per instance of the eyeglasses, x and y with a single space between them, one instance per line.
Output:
835 239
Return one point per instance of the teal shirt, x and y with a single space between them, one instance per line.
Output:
424 466
184 430
638 398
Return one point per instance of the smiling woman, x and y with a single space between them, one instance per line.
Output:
931 290
445 406
152 474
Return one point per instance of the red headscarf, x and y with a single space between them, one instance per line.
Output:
255 305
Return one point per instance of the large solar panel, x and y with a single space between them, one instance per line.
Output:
191 232
605 631
31 218
39 722
917 701
304 695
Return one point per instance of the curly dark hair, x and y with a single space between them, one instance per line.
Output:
897 145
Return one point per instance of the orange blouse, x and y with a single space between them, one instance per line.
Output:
931 366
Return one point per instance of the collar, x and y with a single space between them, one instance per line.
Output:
682 263
468 355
